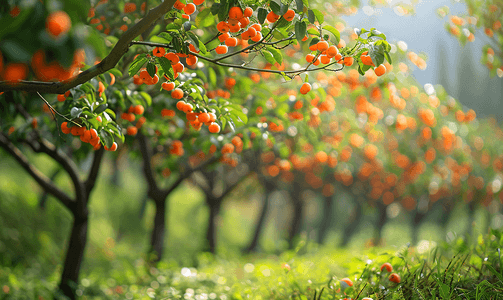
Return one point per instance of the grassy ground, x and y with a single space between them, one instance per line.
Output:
32 248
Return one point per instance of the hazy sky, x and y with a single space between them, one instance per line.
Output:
422 32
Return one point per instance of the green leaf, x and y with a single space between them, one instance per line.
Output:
307 78
151 69
166 66
75 112
300 30
313 31
283 9
147 97
110 112
196 42
116 72
275 7
276 54
310 16
261 14
319 16
269 57
444 290
101 108
285 77
137 64
300 5
213 77
333 31
106 137
388 57
223 11
215 8
241 115
201 16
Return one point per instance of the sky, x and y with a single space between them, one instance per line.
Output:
423 32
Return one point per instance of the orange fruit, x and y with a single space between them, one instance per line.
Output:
189 8
113 148
248 12
132 130
214 128
159 51
322 45
394 278
387 266
221 49
272 17
58 23
235 13
348 61
289 15
129 7
61 97
178 5
223 27
177 94
231 42
64 128
15 72
198 2
305 88
347 281
168 86
380 70
138 109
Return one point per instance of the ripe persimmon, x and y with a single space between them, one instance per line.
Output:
235 13
177 93
289 15
387 266
58 23
272 17
305 88
189 8
380 70
394 278
221 49
129 7
214 128
64 128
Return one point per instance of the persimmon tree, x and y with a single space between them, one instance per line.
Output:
52 54
482 19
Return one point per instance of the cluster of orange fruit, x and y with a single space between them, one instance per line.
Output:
130 116
57 24
198 119
188 8
89 136
176 148
235 146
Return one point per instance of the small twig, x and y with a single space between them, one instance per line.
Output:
58 113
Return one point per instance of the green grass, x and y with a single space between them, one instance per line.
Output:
32 244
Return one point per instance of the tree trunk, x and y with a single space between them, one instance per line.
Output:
350 229
416 223
296 223
74 257
157 239
471 218
381 220
259 226
325 222
211 239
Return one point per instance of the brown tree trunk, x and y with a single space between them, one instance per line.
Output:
381 220
350 229
252 247
157 239
211 234
74 257
298 208
326 220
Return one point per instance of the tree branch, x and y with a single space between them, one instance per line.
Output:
243 67
153 188
38 176
186 174
120 48
93 173
234 185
